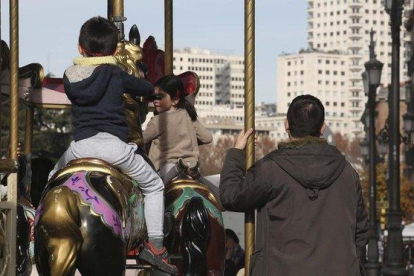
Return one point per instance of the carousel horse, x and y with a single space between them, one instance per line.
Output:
25 219
197 231
89 217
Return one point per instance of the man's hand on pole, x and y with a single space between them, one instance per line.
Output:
241 139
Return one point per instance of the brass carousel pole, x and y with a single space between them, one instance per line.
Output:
1 108
28 132
249 89
168 26
118 16
14 128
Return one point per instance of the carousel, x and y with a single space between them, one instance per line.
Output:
90 217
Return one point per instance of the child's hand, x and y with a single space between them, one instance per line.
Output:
241 139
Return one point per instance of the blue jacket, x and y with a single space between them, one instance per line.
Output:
97 102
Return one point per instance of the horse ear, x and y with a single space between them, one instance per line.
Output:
134 35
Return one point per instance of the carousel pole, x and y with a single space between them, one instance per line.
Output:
1 69
109 10
28 131
168 26
249 89
118 16
14 128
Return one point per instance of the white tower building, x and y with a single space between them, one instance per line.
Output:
323 75
343 27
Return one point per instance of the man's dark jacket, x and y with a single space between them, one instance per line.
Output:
311 216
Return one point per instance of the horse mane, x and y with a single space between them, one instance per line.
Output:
195 237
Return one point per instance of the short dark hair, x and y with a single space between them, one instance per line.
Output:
99 37
305 116
230 234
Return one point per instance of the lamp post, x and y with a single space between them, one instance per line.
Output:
409 124
372 80
394 264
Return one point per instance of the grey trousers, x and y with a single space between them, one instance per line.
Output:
122 155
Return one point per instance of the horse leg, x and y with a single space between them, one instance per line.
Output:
195 237
23 262
102 253
58 237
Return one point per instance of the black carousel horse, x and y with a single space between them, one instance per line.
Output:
89 217
25 219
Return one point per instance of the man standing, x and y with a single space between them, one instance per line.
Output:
311 217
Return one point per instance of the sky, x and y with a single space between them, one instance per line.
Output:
49 30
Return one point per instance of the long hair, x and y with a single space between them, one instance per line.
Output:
174 87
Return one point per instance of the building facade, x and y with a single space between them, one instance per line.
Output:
343 27
323 75
221 76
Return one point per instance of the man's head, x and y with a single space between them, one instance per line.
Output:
305 117
98 37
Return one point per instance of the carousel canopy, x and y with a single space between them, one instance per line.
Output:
49 94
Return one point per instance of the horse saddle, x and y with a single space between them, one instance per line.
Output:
121 186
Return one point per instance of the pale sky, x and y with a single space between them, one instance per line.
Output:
49 30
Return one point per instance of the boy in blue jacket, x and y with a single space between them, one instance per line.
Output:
94 85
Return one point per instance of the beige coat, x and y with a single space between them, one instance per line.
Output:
174 136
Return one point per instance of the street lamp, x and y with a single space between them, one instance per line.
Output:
365 117
382 139
365 82
388 5
393 256
408 122
373 78
365 149
408 93
374 69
